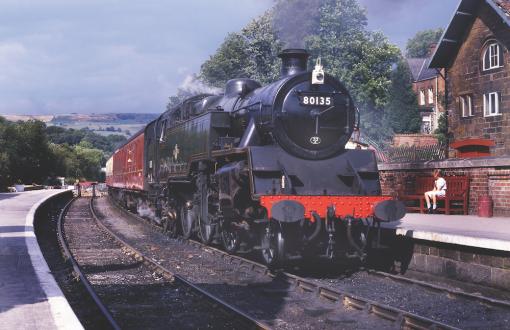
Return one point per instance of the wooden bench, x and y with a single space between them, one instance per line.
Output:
455 201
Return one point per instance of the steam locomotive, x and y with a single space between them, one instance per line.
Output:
260 168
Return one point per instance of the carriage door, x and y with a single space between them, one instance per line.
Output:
151 146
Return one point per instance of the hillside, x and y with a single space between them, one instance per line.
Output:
104 124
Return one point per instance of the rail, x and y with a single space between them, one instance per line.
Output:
403 318
77 270
164 271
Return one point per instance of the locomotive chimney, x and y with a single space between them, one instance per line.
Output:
293 61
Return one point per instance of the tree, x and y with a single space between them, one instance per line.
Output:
31 158
362 60
230 60
335 30
441 131
418 46
90 161
403 115
5 163
252 53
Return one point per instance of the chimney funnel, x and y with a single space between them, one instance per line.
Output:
293 61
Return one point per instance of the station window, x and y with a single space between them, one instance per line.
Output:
430 95
466 105
422 97
491 104
492 56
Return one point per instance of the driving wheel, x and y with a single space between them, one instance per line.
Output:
230 237
273 245
187 217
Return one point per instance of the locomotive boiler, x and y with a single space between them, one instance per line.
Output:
259 168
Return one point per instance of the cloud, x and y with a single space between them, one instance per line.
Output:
108 55
11 49
401 19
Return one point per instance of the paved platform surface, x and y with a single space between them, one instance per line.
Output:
29 296
469 230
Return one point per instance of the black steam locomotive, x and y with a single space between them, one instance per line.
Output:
259 168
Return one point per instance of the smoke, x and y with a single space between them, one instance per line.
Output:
145 211
295 20
389 8
192 85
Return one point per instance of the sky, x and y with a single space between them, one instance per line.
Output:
100 56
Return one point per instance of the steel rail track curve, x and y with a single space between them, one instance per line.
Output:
77 270
450 291
137 254
404 319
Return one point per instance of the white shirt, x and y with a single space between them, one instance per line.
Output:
440 184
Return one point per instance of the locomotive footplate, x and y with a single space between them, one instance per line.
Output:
344 206
329 226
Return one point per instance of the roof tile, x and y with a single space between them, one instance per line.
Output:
504 5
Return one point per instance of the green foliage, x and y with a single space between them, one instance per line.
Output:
335 30
30 152
230 60
402 109
252 53
441 131
73 137
418 46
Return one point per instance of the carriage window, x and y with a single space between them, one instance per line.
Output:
492 56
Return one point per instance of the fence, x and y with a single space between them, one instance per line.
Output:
407 154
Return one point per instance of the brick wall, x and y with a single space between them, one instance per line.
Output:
489 175
465 77
414 140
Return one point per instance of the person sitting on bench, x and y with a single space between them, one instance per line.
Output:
439 190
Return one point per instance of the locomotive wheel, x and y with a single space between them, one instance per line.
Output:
230 237
272 238
169 220
170 228
205 226
205 229
187 218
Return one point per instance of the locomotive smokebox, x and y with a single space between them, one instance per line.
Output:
293 61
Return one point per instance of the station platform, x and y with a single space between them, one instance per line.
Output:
467 230
29 296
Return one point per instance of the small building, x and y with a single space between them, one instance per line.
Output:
428 84
474 51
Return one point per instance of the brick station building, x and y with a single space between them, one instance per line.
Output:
428 84
474 54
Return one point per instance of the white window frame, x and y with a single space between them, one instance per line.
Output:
491 104
430 95
466 105
422 97
494 50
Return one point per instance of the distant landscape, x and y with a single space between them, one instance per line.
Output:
105 124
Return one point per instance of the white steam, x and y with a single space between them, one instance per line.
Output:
192 85
145 211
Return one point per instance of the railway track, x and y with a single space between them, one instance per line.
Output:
131 289
326 297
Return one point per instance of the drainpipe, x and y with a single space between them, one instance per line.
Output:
445 105
446 111
436 114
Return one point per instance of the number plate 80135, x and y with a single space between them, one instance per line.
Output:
316 100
